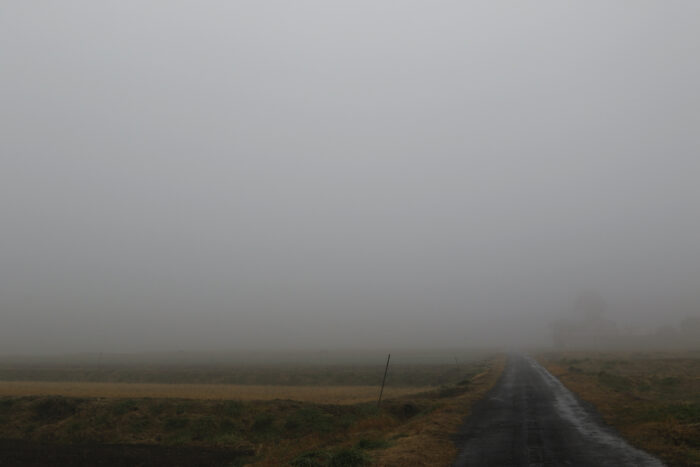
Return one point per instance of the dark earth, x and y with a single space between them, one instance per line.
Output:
27 453
530 419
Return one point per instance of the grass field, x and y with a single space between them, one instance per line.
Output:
653 399
319 394
267 425
408 368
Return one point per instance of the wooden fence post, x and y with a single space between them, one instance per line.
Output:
384 380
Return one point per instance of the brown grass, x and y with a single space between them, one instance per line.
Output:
421 440
651 399
318 394
413 427
427 441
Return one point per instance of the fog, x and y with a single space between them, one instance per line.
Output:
366 174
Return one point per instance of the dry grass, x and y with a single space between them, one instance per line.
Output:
653 399
422 438
427 441
413 427
319 394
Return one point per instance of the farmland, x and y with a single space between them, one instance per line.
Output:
319 394
263 424
653 399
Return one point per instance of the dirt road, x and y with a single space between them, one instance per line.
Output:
530 419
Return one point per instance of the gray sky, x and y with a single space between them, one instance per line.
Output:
205 175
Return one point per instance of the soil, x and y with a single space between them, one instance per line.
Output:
28 453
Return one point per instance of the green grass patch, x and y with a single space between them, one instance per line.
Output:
351 457
124 406
685 413
53 409
309 419
615 382
347 457
176 423
232 408
372 443
315 458
264 423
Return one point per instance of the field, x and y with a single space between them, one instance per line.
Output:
330 422
242 392
653 399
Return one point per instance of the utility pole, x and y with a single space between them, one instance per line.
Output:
386 370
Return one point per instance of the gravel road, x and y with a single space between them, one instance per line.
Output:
530 419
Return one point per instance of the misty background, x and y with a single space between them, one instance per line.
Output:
310 174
